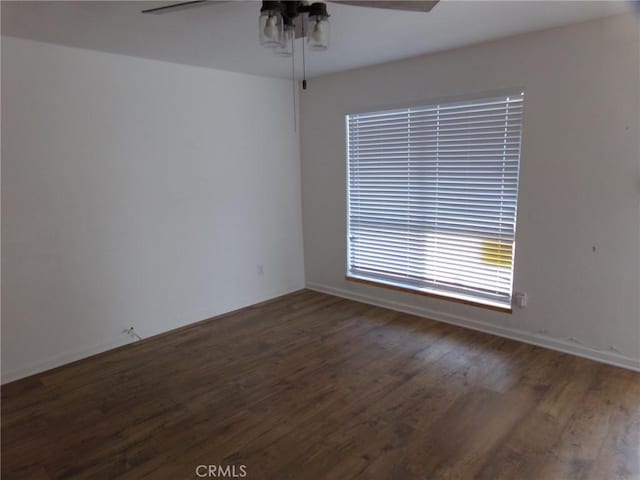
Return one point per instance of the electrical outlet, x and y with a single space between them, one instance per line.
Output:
521 299
132 333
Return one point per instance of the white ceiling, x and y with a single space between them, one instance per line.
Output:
225 35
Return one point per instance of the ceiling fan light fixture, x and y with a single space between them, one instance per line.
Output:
318 27
282 21
271 25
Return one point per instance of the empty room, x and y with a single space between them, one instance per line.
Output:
386 240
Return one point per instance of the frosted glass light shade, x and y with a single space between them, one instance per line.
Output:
270 24
288 37
318 32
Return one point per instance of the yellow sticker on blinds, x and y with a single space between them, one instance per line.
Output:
497 253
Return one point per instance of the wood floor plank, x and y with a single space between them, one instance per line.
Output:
310 386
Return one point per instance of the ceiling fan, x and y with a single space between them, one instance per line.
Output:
281 22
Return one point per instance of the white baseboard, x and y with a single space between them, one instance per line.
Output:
72 356
561 345
62 359
611 358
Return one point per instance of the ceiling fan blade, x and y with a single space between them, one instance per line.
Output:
176 7
410 6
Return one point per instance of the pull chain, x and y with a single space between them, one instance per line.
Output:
304 65
293 82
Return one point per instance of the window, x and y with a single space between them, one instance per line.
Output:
432 197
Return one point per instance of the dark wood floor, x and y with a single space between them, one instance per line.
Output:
310 386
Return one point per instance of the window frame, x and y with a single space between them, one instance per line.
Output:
422 290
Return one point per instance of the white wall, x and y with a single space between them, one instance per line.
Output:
136 192
579 184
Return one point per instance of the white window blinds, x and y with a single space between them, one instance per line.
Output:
432 197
